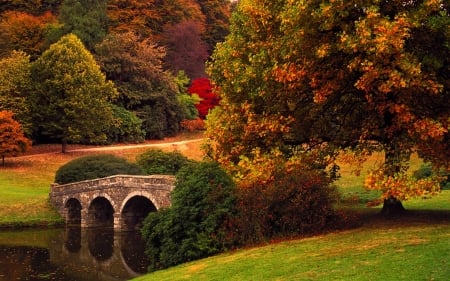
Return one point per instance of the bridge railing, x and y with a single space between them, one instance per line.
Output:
165 182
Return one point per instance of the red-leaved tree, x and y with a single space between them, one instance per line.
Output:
12 139
202 87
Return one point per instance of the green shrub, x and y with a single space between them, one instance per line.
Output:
126 127
292 203
95 166
426 170
156 161
195 225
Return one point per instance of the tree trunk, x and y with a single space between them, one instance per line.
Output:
392 206
63 146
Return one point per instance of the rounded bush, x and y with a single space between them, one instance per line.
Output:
195 225
156 161
95 166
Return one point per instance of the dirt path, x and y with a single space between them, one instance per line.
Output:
121 147
43 150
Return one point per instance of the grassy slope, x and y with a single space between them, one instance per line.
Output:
414 247
394 250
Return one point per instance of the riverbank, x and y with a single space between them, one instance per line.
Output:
412 247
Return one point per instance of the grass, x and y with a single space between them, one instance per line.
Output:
394 250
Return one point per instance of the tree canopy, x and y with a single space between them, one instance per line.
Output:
317 77
73 95
85 18
145 88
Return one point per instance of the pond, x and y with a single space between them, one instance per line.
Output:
71 254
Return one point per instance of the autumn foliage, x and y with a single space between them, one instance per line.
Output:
12 139
300 76
203 88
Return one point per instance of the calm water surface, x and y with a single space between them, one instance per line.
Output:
71 254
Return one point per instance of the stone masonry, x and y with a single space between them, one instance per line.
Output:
115 192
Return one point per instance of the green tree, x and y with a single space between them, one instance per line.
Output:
12 139
85 18
317 77
15 86
72 98
145 88
185 99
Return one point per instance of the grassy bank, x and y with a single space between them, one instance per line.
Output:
415 247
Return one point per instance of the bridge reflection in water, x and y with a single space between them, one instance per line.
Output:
99 253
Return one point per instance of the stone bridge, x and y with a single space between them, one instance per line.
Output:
119 201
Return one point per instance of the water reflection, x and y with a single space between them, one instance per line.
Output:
72 254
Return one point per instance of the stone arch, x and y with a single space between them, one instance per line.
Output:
72 208
100 212
135 208
146 194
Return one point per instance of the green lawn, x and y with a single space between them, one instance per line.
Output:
24 189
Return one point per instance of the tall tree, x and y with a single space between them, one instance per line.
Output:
15 86
85 18
145 88
72 97
185 49
217 13
12 139
149 17
23 31
295 76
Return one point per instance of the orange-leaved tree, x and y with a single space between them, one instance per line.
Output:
318 77
12 139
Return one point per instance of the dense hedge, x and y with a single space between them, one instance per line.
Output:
195 225
95 166
156 161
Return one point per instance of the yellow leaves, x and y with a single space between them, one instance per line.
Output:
323 50
429 129
401 186
290 74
